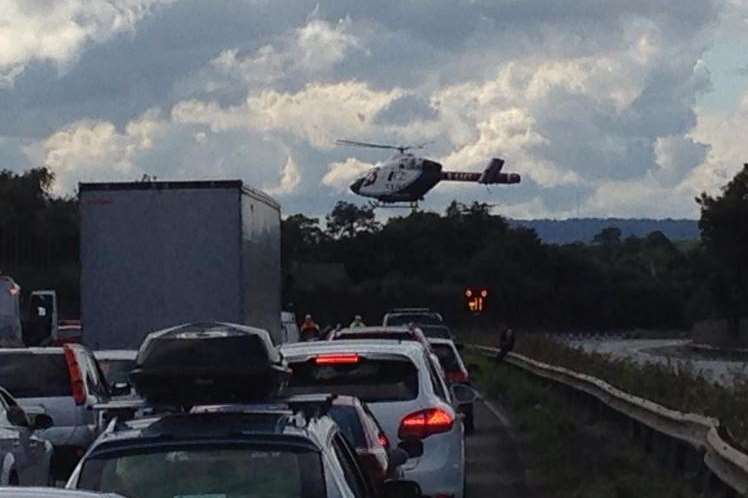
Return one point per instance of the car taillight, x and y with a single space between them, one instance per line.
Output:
76 378
382 438
424 423
457 377
336 359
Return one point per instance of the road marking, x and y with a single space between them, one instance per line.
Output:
495 411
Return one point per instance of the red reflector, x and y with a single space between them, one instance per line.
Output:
457 377
336 359
382 438
425 423
76 379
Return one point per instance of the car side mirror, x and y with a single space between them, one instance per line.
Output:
42 421
401 489
463 394
397 457
120 389
413 447
17 416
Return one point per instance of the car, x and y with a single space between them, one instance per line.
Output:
289 327
378 460
68 331
399 333
65 383
456 372
116 365
227 450
13 492
404 316
26 459
406 393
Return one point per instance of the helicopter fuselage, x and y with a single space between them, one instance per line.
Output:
402 178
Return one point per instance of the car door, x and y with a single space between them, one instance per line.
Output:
30 452
353 474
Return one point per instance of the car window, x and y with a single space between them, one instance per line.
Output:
29 375
351 471
406 318
94 379
226 471
447 356
116 371
436 381
435 331
367 379
349 423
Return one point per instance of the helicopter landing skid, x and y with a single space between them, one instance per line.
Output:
382 205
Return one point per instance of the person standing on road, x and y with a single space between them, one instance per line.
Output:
309 329
357 322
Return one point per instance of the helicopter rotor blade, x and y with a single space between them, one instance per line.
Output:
370 145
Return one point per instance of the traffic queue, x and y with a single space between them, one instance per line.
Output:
213 409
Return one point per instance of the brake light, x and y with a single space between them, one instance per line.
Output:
424 423
337 359
76 379
382 438
457 377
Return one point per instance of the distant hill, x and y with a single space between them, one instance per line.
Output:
584 229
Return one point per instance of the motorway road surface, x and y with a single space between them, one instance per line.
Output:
494 468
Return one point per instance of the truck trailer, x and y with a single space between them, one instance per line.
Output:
158 254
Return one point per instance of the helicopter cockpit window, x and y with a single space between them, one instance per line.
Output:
371 177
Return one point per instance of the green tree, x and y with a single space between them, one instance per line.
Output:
724 233
347 220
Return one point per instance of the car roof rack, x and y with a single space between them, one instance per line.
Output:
296 409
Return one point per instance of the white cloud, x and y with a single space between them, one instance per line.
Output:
341 174
57 31
289 180
96 151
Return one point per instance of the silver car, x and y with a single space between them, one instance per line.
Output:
51 493
25 459
64 383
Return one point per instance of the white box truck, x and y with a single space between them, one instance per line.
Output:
159 254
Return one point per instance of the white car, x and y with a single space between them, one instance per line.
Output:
25 459
405 392
51 493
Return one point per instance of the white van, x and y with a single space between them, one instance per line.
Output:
10 313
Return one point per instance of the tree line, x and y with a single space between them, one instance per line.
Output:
351 263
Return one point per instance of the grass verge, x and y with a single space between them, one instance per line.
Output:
569 455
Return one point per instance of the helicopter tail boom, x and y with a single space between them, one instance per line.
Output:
491 175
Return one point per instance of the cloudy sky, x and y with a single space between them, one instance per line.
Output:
606 107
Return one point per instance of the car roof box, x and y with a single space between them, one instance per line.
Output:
213 362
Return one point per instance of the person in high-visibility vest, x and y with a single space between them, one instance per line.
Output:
357 322
309 329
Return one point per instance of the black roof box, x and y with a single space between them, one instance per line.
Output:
211 362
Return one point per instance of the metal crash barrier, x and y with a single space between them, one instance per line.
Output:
725 462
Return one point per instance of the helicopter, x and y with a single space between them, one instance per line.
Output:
406 178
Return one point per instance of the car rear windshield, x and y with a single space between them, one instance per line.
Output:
406 318
447 357
436 331
29 375
206 471
350 424
368 379
116 371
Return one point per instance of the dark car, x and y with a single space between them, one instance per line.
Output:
405 316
